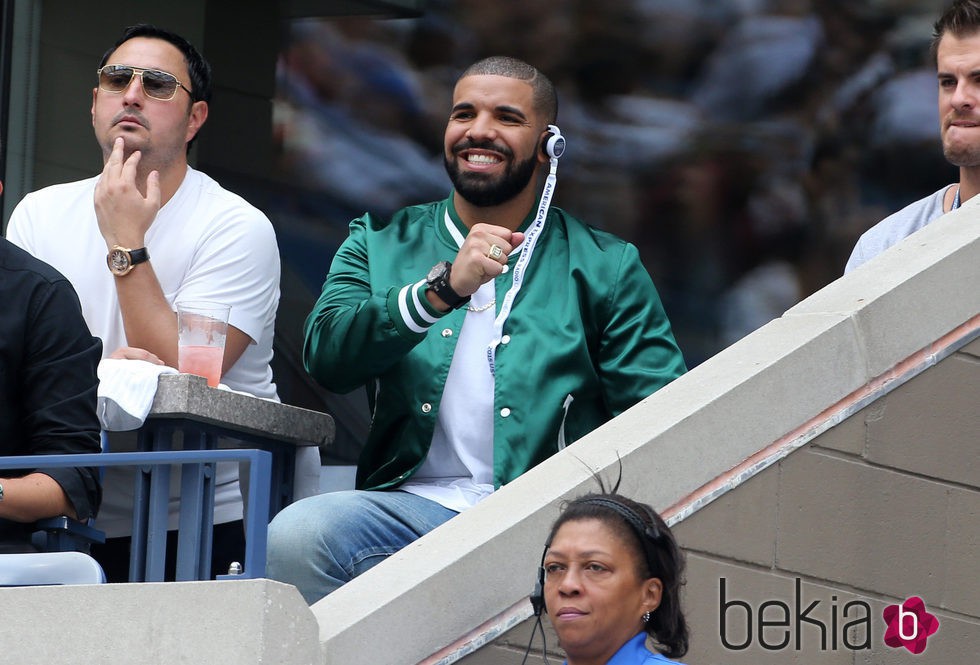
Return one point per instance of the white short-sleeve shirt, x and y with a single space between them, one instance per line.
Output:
206 243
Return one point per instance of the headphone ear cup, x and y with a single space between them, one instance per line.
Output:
554 143
537 596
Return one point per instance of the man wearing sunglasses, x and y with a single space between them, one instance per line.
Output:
150 231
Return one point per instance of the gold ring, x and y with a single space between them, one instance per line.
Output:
494 252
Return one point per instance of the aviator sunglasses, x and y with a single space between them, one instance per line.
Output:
156 83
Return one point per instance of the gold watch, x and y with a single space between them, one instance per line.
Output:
121 260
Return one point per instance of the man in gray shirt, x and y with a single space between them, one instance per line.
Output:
956 47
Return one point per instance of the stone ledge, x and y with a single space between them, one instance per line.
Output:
188 396
234 622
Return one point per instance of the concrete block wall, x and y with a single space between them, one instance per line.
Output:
881 508
884 506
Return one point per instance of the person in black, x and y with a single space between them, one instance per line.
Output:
48 392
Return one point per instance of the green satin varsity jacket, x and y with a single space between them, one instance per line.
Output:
586 339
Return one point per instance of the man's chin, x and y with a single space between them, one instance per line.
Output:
131 142
963 157
478 189
482 198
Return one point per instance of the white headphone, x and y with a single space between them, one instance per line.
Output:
554 143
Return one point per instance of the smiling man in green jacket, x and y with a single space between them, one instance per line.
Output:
490 329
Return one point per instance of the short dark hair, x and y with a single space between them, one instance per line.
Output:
648 535
545 97
961 19
197 66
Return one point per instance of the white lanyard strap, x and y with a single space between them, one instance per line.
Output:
530 239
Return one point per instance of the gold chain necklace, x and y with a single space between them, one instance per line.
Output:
482 308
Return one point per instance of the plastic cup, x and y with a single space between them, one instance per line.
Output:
201 331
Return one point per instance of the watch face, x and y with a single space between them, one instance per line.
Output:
119 261
437 271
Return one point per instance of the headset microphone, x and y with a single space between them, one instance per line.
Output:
537 596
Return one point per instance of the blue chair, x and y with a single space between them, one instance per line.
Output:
64 534
62 557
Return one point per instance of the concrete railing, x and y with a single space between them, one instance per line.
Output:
218 623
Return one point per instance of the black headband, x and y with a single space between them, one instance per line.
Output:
642 528
648 534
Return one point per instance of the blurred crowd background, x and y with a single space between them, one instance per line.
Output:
742 145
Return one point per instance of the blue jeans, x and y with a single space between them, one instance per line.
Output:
320 542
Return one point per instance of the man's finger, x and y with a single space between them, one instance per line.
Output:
116 155
491 229
153 189
134 353
129 166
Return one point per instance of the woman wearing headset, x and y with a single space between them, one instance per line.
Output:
611 577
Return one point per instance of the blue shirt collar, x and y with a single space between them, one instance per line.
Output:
635 652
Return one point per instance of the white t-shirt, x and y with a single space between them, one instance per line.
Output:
457 473
206 243
896 227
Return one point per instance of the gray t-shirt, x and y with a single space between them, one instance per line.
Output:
894 228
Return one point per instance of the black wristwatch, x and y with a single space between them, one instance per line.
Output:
121 260
438 281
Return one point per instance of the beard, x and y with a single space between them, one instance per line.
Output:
483 190
961 153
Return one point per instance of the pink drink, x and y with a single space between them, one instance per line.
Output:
201 360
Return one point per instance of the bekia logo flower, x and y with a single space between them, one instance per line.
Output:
909 625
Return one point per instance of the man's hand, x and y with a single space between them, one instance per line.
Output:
474 265
124 212
133 353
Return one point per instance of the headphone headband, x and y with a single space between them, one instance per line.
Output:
642 529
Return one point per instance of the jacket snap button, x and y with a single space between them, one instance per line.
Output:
505 339
426 407
447 332
504 412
